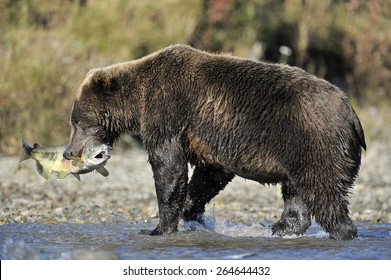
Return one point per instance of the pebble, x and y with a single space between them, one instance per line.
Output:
58 211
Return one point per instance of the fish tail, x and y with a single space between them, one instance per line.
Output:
27 150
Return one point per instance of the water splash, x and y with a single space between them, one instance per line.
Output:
242 230
229 229
240 256
17 250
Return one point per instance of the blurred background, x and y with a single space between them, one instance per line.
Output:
47 47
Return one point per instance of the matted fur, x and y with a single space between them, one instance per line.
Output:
228 116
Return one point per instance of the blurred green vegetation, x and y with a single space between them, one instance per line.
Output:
47 47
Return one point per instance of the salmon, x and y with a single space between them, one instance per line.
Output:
50 159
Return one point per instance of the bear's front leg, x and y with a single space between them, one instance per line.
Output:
170 171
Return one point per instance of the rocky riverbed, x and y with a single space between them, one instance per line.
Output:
128 195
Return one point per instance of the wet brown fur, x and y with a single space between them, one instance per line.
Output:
229 116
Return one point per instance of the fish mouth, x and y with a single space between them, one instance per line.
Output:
103 154
96 154
93 153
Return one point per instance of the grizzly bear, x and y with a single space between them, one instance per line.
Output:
228 116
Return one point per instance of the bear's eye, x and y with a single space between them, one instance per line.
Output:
76 121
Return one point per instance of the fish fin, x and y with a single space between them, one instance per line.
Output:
103 171
45 173
39 167
27 150
77 176
62 175
25 156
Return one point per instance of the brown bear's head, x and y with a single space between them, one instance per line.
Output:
93 112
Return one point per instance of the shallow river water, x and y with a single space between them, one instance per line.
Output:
220 240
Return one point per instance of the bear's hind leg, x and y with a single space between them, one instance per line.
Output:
333 217
296 217
204 185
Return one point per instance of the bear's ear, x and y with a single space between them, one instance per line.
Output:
100 79
103 82
92 71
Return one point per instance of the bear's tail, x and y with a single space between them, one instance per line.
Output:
357 129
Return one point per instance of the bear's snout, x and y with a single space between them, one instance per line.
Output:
67 154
